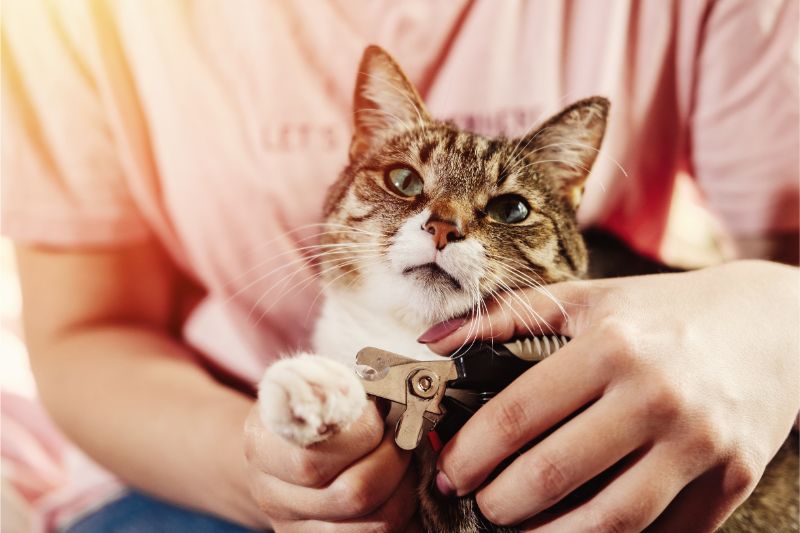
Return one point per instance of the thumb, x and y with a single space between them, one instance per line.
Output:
526 312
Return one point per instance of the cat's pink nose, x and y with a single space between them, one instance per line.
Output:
443 231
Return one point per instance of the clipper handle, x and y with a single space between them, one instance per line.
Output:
486 369
490 367
536 348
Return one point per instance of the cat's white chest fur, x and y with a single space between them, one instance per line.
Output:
348 323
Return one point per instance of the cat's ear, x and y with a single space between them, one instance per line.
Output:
566 146
385 102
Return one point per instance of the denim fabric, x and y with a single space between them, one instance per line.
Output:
138 513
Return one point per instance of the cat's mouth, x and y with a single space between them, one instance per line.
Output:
433 273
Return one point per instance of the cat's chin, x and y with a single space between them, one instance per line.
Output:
433 277
419 298
431 300
445 311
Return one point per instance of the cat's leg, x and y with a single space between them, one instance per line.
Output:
308 398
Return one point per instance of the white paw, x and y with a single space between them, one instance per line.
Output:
308 398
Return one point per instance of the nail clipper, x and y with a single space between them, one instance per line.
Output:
446 393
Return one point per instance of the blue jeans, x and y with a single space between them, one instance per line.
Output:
137 513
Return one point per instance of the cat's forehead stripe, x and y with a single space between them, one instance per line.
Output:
426 149
490 149
502 173
450 140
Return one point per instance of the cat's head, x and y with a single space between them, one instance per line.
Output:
430 220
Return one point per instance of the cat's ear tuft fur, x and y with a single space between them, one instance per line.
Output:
385 102
566 146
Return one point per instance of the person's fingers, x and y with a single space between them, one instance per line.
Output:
706 502
315 465
397 514
539 399
630 502
541 310
584 447
356 491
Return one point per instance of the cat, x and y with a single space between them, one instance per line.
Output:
428 222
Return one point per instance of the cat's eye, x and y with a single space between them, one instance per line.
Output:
508 209
403 181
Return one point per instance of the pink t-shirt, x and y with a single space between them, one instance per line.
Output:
216 127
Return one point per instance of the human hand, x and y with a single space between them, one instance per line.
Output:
357 480
688 385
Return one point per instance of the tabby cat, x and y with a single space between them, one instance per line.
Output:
428 222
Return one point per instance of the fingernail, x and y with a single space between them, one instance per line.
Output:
441 330
444 485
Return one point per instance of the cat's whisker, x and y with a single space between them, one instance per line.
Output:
476 310
345 228
300 250
522 153
489 318
600 154
509 292
297 229
300 285
502 299
349 254
513 158
473 328
536 124
404 124
492 292
324 287
340 262
372 110
284 289
330 266
307 259
527 281
285 234
334 280
526 305
564 161
546 110
539 286
296 249
479 305
474 314
514 165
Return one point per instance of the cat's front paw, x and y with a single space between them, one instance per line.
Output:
308 398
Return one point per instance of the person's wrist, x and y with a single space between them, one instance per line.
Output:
234 469
785 282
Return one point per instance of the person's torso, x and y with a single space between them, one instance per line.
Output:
236 119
